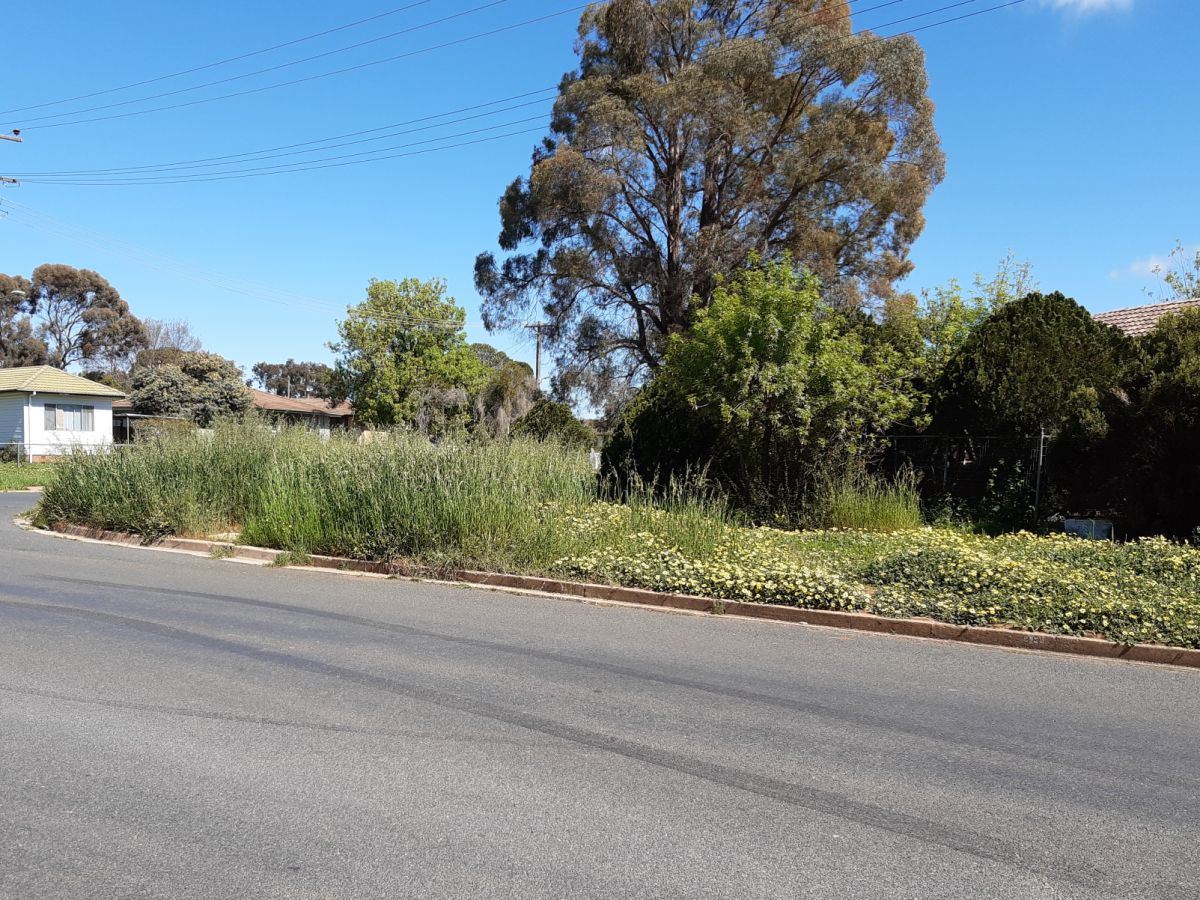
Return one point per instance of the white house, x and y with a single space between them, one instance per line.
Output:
46 412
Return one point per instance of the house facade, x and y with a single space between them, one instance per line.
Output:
46 412
312 412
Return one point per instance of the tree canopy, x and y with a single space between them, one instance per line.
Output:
403 359
771 390
62 316
693 136
19 345
81 317
1038 362
550 420
507 394
293 379
1146 470
198 386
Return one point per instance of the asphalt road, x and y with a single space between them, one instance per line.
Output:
180 727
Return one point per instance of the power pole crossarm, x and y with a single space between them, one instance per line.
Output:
15 137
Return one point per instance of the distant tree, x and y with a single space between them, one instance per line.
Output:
174 334
198 386
694 136
1041 361
507 394
110 379
293 379
403 347
19 345
81 317
549 420
1179 276
770 392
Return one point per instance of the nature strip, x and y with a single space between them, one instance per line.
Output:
920 628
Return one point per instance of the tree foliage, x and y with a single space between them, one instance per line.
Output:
1178 276
770 390
170 334
81 318
507 394
293 379
199 386
1146 470
1038 362
697 134
19 344
550 420
403 358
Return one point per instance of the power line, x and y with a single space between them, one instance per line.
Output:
167 177
341 71
320 75
275 68
298 167
353 134
220 62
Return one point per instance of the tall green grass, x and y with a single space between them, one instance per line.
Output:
508 505
863 502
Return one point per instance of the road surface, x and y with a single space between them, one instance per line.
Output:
179 727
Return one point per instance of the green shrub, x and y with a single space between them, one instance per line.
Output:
548 420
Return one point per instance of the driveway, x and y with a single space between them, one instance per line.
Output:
180 727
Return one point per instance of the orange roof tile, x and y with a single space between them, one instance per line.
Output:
1138 320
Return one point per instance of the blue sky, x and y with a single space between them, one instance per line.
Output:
1067 124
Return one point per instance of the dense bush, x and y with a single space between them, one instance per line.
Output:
1039 362
768 393
1148 470
548 420
199 386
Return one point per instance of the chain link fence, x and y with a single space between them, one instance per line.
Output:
997 477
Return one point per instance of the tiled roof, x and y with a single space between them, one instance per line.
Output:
1139 320
305 405
49 380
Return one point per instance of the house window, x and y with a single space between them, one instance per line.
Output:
70 417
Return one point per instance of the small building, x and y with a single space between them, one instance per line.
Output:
313 412
1136 321
46 412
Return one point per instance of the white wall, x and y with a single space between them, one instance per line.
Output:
12 418
40 442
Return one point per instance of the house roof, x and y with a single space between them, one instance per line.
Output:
1138 320
49 380
310 406
307 406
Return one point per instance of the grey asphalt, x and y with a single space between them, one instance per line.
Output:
179 727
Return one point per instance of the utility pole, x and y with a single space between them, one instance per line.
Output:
15 137
539 330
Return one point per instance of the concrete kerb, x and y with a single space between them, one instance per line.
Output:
854 621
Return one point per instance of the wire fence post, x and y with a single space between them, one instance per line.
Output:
1037 481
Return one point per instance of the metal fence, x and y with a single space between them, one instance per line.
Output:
23 452
975 468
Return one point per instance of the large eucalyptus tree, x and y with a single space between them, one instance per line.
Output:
697 134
